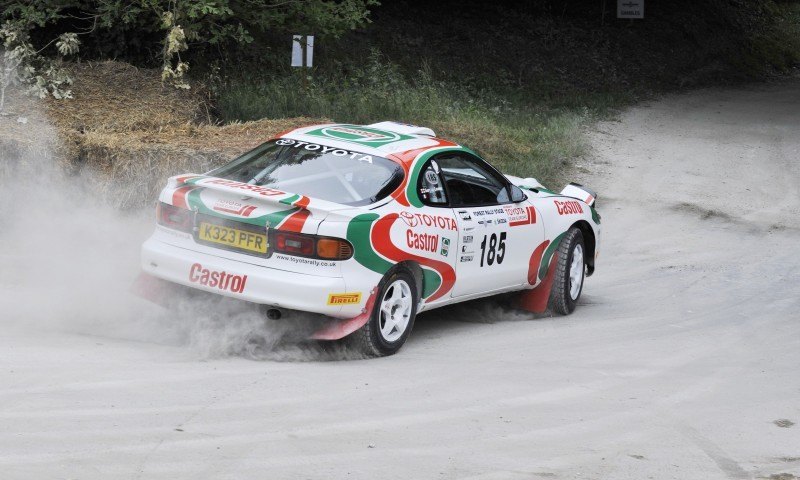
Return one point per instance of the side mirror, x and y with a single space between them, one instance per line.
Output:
517 195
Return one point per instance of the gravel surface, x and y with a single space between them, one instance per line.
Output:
680 362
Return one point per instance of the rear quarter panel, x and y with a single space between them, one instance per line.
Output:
392 234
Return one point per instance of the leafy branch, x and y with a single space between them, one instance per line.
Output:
23 65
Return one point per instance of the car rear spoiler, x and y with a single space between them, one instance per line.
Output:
257 193
576 190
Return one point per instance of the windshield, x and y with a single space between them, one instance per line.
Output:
318 171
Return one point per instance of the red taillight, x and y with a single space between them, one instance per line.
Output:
294 244
173 217
311 246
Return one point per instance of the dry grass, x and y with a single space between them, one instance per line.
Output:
117 97
128 130
135 164
204 138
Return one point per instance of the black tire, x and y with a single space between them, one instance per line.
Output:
561 297
369 340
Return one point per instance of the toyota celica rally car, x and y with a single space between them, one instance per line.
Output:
368 226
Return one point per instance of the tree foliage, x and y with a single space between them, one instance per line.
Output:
211 21
166 29
22 65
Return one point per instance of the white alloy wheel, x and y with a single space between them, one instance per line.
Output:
576 272
392 316
568 277
396 309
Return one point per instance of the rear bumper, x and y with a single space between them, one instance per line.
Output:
245 281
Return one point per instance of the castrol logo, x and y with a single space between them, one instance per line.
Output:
568 208
217 279
422 241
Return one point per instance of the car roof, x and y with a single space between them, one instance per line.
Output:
381 139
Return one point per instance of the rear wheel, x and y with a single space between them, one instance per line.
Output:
569 274
392 316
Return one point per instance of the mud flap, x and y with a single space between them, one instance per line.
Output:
337 329
536 299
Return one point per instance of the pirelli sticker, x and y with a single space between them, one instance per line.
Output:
344 298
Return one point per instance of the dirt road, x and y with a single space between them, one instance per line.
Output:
681 362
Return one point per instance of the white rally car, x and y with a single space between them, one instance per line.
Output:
368 226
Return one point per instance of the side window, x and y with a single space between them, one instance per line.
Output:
431 189
470 182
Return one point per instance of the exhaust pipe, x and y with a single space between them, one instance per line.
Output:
271 313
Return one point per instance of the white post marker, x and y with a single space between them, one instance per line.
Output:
297 51
630 8
303 51
309 51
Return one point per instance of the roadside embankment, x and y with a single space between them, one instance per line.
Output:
128 130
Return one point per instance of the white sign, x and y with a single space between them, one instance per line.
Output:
630 8
303 51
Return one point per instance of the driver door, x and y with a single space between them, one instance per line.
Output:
496 236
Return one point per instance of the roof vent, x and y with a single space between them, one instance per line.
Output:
403 128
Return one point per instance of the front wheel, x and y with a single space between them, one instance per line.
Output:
569 274
392 316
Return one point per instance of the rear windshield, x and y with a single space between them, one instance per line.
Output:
318 171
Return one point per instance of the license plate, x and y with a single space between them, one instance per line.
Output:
233 237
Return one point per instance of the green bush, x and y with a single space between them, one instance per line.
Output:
520 139
162 30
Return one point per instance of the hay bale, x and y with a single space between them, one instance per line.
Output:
118 97
131 167
128 130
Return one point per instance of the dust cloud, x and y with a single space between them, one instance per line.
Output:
68 258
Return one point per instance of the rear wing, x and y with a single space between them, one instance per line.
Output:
585 194
258 194
404 128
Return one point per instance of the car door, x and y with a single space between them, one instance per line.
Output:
496 235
